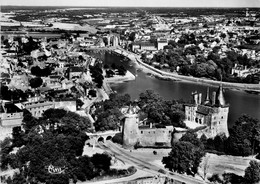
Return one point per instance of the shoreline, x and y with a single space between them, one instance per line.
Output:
119 79
162 75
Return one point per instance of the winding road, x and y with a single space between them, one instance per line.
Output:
126 156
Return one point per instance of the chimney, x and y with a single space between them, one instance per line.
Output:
214 98
199 98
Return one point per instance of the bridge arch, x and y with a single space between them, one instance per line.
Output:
101 139
109 137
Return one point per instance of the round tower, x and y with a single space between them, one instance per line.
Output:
130 128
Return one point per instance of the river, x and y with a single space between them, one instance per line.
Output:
240 102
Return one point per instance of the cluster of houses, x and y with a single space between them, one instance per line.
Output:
68 82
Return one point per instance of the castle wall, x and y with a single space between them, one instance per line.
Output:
219 121
190 113
156 136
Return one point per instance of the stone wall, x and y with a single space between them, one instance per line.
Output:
156 136
11 119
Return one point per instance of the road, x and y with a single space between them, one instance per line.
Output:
126 156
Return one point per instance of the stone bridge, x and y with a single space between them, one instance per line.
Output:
100 136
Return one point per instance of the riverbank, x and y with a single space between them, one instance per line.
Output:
118 79
174 76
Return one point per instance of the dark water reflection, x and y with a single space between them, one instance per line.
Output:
240 102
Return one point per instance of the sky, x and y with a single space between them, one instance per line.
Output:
136 3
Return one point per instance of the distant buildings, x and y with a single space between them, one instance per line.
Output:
243 71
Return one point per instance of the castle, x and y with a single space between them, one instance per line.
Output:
212 113
210 117
143 135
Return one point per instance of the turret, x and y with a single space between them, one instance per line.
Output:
207 99
213 98
195 97
220 101
199 98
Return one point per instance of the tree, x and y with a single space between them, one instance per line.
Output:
107 113
36 82
6 148
108 120
85 168
215 178
192 138
96 74
79 103
28 121
132 36
92 93
101 162
244 137
184 158
252 172
57 138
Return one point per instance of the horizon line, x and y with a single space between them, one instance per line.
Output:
135 6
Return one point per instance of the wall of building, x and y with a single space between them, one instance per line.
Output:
67 105
190 113
219 121
11 119
155 136
38 108
160 45
215 120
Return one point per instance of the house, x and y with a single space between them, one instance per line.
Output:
243 71
147 46
161 43
74 71
10 114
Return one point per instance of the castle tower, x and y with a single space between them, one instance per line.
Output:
207 99
130 128
220 101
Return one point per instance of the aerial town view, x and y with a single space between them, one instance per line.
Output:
130 92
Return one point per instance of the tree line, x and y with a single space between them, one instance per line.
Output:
157 111
56 139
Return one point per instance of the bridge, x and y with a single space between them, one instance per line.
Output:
96 137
